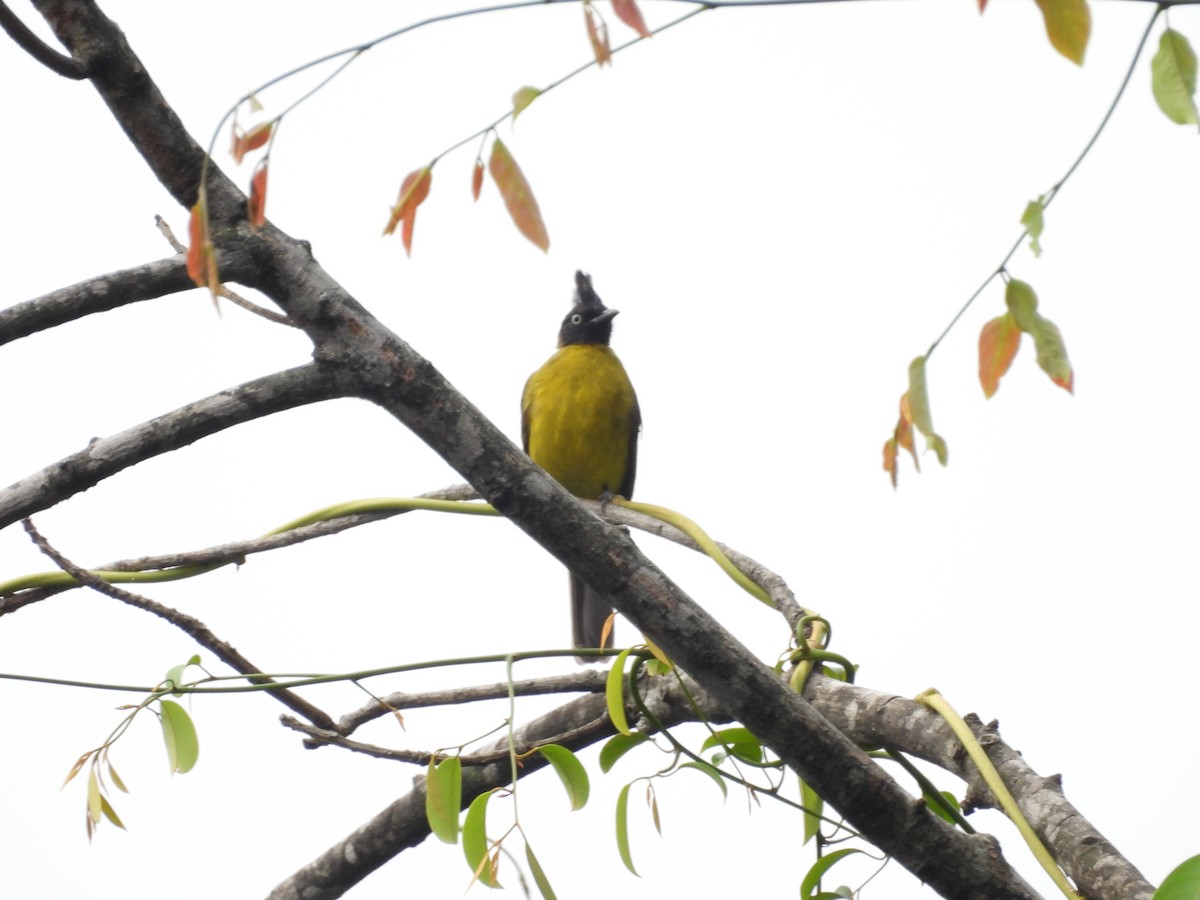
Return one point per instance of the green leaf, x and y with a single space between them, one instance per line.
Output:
918 405
1173 78
811 800
179 734
443 798
522 98
1183 883
1068 25
1032 220
94 800
1022 303
623 828
539 876
1047 339
710 772
1052 354
175 673
808 888
116 779
110 813
614 693
617 746
938 809
475 842
739 742
571 772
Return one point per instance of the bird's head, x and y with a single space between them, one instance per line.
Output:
589 321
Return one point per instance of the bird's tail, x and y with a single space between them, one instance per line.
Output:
589 612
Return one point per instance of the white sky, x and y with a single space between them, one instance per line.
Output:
787 206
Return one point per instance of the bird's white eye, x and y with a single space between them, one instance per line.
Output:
576 319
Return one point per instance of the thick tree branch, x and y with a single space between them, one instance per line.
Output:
872 718
106 456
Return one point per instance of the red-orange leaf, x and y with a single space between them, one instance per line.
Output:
998 343
201 255
517 196
245 141
413 192
627 11
1068 25
901 439
477 179
256 206
598 36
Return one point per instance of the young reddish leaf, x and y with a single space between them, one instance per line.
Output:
627 11
998 343
246 141
901 439
918 405
1068 25
413 191
890 455
522 98
517 196
982 6
1033 222
477 179
1173 71
201 255
256 206
598 36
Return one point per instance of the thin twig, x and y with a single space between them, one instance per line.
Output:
193 627
237 299
59 63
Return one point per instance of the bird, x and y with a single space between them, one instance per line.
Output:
580 422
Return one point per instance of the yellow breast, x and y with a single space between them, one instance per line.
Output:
580 420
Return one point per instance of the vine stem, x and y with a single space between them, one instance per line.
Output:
1053 192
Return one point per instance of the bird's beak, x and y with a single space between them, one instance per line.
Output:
605 316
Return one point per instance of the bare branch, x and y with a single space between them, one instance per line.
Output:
103 457
96 295
189 625
56 62
589 680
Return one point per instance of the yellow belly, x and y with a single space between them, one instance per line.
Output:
580 420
